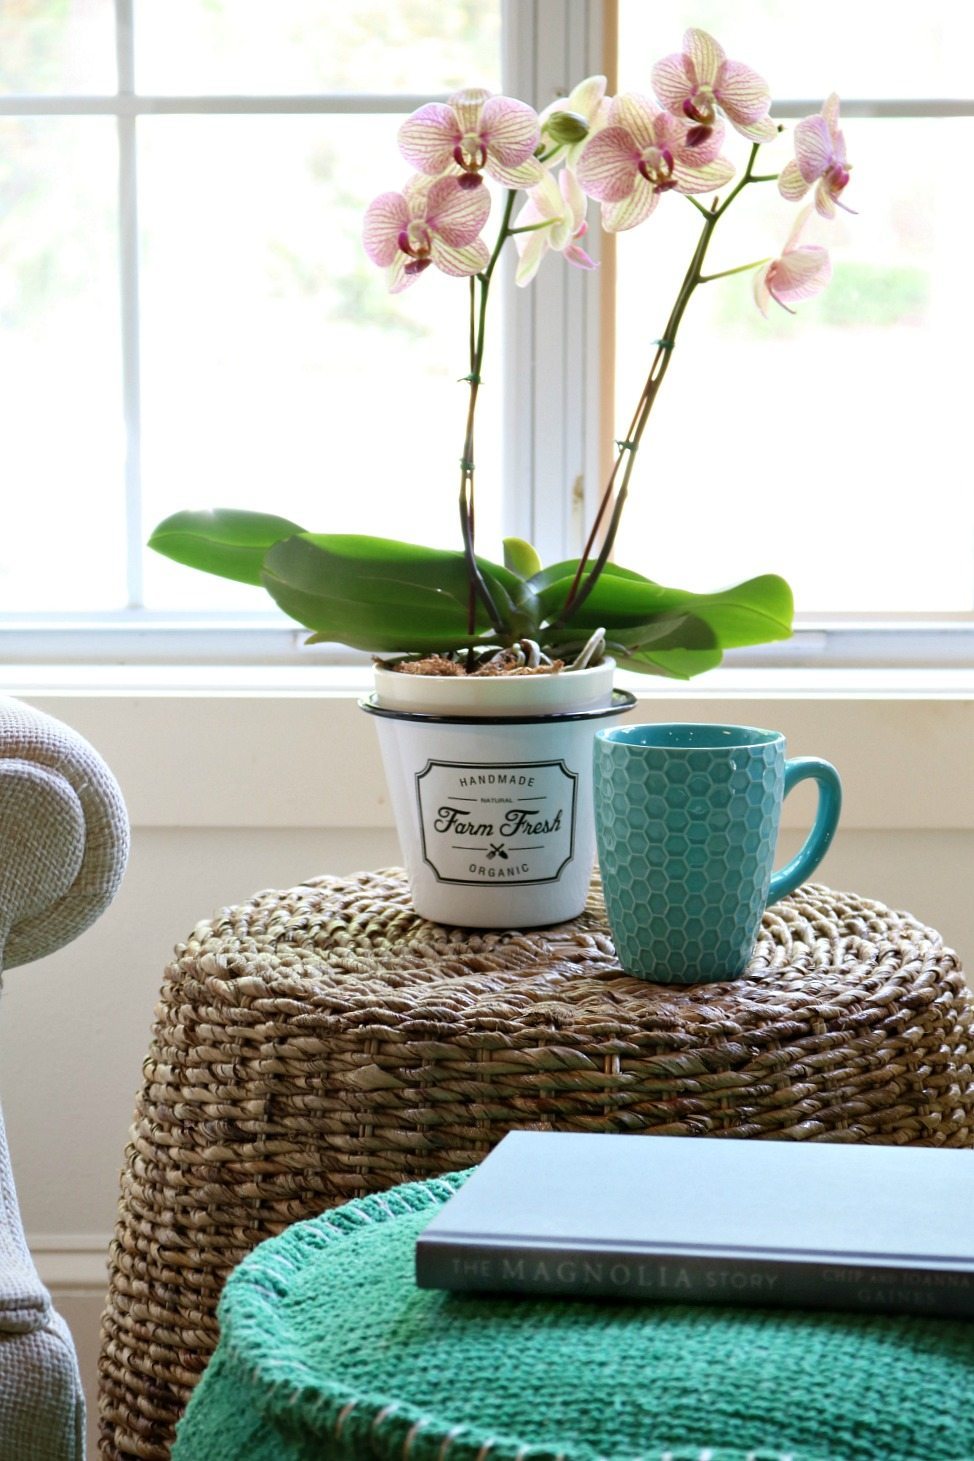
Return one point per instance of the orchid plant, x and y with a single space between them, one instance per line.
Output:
629 154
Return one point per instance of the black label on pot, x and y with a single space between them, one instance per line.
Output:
497 823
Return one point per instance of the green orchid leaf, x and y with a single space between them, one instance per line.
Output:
521 558
668 631
758 611
753 612
614 601
381 595
567 569
673 664
226 541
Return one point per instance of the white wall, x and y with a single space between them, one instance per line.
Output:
233 792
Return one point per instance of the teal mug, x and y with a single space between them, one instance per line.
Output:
686 820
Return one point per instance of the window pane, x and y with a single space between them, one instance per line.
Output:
61 447
830 446
294 46
870 48
278 374
66 46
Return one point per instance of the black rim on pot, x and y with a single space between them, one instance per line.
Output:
622 700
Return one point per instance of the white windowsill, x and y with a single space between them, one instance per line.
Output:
252 747
317 680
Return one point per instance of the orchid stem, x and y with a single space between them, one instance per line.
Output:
745 178
478 320
587 573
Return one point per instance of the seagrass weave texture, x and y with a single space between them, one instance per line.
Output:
323 1043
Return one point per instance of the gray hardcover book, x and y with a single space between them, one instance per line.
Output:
706 1220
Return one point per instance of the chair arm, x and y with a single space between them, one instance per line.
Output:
65 834
24 1301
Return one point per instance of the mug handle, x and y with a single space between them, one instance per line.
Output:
805 861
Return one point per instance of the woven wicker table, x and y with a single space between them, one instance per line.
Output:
323 1043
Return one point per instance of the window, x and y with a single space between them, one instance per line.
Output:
830 447
187 318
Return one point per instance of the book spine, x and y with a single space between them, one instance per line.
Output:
708 1279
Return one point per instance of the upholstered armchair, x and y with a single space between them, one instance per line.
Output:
63 847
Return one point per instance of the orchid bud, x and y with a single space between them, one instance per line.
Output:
567 128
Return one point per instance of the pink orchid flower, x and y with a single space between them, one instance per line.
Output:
820 158
561 205
700 79
471 133
642 153
801 271
429 222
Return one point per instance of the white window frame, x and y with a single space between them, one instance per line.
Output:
558 415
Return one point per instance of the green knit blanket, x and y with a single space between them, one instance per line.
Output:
328 1350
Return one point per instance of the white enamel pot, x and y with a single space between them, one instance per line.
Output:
491 787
